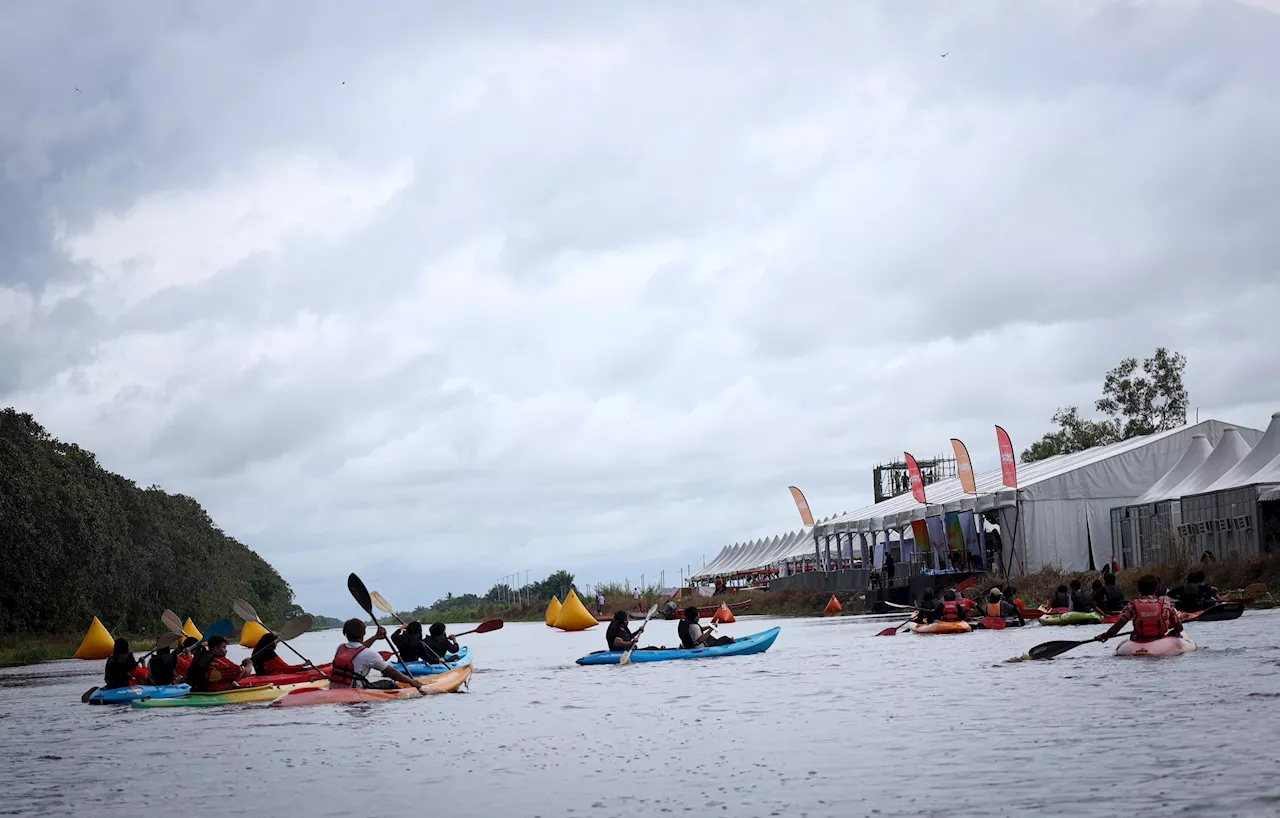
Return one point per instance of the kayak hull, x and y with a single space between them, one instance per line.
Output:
418 669
239 695
1168 646
448 682
942 627
743 646
124 695
1071 618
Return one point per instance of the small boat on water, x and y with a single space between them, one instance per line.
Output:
704 612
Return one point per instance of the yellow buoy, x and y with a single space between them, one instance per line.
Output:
97 643
190 629
553 610
250 634
573 615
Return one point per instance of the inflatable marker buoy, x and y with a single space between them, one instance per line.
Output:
573 615
250 634
722 615
833 607
553 610
190 629
97 643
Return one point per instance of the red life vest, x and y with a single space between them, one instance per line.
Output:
343 673
993 609
952 612
1148 624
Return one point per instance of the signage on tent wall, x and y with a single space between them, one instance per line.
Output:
1008 464
802 506
917 482
920 530
964 468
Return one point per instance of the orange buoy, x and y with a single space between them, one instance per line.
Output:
833 607
722 615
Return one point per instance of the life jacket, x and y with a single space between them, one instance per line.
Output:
344 673
1115 596
1147 622
952 611
686 637
119 670
163 665
994 608
198 672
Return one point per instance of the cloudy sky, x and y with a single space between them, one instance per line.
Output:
440 292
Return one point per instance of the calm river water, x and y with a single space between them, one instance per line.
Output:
830 721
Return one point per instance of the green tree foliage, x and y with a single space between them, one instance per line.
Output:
1136 404
77 541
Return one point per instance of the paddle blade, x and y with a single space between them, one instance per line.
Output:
360 594
489 625
296 627
171 621
85 698
167 640
1221 612
1048 650
994 623
890 631
244 610
223 628
381 603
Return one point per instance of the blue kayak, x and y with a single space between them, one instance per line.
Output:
124 695
756 643
417 669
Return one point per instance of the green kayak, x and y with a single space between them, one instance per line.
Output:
1071 618
239 695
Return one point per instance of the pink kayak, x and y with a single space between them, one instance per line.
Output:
1168 646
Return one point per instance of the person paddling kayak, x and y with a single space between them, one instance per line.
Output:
212 671
1153 617
951 609
928 610
266 661
1002 608
122 668
1081 601
355 658
163 666
619 636
693 636
185 658
1195 594
440 645
1111 600
1061 600
412 647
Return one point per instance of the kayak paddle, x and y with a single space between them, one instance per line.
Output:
894 630
292 629
994 623
1048 650
246 612
361 595
483 627
171 621
626 656
1221 612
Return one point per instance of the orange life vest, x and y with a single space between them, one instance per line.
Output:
1147 620
993 609
344 673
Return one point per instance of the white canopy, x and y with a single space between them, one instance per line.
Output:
1241 474
1195 454
1229 451
1269 473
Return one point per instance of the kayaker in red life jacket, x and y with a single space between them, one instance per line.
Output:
1002 608
1153 617
355 658
951 609
1061 601
183 663
211 670
266 661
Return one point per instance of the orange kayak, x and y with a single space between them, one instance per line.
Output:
447 682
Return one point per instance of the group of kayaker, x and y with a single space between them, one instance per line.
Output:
1107 598
618 636
1153 616
1001 603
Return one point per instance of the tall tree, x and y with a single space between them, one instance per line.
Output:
1136 404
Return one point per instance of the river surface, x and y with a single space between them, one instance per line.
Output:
831 721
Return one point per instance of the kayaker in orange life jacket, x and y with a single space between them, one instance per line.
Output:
211 670
356 657
1153 617
183 663
266 661
1002 608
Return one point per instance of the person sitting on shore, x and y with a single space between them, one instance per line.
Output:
163 666
1081 602
619 635
122 668
1195 594
1061 600
692 635
212 671
1002 608
1153 617
355 658
1112 599
265 660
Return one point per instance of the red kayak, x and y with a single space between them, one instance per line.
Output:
294 678
707 610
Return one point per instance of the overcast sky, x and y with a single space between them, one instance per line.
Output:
439 292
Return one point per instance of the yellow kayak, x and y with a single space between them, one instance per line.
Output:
239 695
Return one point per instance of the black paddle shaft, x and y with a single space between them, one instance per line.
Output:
361 595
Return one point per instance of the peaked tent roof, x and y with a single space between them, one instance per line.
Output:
1241 474
1269 473
1229 451
1196 453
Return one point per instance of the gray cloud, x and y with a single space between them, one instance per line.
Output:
441 294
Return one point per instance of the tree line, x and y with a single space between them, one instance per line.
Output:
78 541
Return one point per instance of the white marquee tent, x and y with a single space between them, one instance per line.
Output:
1195 454
1230 450
1242 473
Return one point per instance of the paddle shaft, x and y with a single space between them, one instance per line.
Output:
626 657
439 659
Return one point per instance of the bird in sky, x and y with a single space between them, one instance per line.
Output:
943 55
